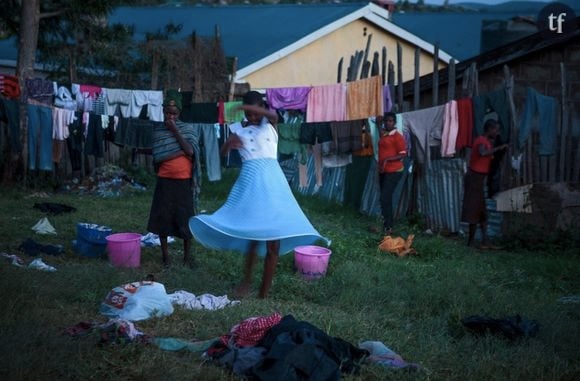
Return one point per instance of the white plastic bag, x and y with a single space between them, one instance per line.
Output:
137 301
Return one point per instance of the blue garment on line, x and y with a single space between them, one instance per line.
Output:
39 137
260 207
546 108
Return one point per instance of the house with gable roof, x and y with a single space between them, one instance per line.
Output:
281 45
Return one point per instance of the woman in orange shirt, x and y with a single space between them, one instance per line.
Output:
392 151
173 200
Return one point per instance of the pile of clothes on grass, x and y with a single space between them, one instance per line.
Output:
106 181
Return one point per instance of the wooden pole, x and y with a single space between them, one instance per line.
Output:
451 81
233 81
339 71
399 77
513 147
417 83
436 76
384 64
391 75
375 65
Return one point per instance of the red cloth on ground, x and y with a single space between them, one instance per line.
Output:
249 332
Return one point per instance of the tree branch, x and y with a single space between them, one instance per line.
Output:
46 15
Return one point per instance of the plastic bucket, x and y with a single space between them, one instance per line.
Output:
311 261
124 249
91 239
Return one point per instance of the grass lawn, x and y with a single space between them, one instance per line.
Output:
414 305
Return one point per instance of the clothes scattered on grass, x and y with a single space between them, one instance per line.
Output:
569 299
52 208
14 259
175 344
33 248
106 181
250 331
137 301
210 302
152 239
397 245
289 350
38 264
43 226
511 327
382 355
114 331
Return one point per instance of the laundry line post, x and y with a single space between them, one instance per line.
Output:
513 147
451 80
436 75
399 78
417 82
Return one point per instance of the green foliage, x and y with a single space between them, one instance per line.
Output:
413 304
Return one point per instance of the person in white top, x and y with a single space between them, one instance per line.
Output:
261 216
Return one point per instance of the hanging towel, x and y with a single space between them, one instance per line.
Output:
465 123
450 129
493 101
326 103
200 113
364 98
346 136
288 98
61 119
9 86
546 108
231 112
289 138
426 125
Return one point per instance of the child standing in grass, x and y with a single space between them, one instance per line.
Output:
261 216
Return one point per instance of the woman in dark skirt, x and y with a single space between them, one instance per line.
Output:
173 200
474 210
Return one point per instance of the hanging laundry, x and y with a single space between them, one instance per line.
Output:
346 136
61 119
232 113
288 98
326 103
136 133
154 101
496 101
426 125
450 129
199 113
388 96
40 90
289 138
364 98
546 108
12 116
119 98
39 137
94 135
316 132
211 150
465 123
64 99
9 86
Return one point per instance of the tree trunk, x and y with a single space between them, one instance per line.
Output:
27 42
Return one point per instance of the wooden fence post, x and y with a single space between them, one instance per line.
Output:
436 76
417 84
399 77
451 80
384 64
